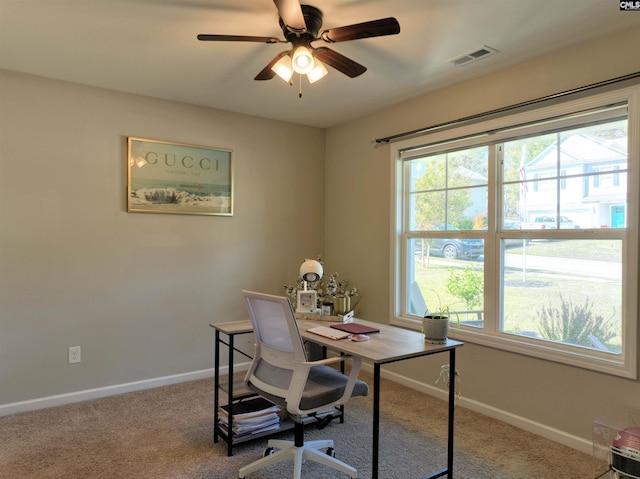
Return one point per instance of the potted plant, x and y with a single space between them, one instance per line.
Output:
435 324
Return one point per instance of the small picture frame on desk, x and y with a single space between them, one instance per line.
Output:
307 302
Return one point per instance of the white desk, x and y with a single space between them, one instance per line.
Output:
390 345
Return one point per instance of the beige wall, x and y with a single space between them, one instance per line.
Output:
136 291
358 237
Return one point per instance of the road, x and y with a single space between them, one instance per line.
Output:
599 269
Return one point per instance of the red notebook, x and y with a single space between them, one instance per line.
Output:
355 328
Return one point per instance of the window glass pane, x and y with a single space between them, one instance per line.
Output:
439 282
428 209
606 193
513 212
569 291
518 185
467 167
447 191
427 174
594 145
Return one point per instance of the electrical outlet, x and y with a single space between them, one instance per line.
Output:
74 354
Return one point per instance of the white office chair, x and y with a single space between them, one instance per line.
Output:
281 373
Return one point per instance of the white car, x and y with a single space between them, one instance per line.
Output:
549 222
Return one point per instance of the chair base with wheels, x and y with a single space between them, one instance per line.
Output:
300 451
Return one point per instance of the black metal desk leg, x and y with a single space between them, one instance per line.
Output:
230 400
216 385
452 400
448 471
376 420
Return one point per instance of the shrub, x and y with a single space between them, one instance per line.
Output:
468 285
574 323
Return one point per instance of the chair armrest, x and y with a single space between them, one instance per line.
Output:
330 360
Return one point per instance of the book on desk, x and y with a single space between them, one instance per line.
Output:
355 328
342 330
330 333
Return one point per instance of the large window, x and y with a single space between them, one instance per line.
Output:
526 229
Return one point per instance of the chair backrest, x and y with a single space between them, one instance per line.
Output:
279 345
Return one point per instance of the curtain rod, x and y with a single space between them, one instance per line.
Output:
554 96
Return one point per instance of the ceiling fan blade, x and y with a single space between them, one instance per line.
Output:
291 13
374 28
267 73
236 38
339 62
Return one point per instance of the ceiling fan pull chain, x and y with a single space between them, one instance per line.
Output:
300 91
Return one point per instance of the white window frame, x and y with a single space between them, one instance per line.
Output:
562 115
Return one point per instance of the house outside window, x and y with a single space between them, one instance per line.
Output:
521 227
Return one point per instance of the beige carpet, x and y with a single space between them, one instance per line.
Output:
167 433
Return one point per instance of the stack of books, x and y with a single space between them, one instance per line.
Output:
251 416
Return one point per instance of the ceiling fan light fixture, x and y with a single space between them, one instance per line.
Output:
318 72
302 61
283 68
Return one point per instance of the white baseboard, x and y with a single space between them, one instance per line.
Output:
539 429
60 399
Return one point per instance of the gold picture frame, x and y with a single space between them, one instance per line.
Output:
178 178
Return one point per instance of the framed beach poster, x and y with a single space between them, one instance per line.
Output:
177 178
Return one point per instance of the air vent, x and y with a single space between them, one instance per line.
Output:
472 56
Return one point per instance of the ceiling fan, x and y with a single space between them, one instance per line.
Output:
301 27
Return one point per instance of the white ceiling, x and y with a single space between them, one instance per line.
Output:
149 47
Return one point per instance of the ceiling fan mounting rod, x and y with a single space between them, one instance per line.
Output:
303 41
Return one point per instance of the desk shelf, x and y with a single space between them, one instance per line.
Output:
285 426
